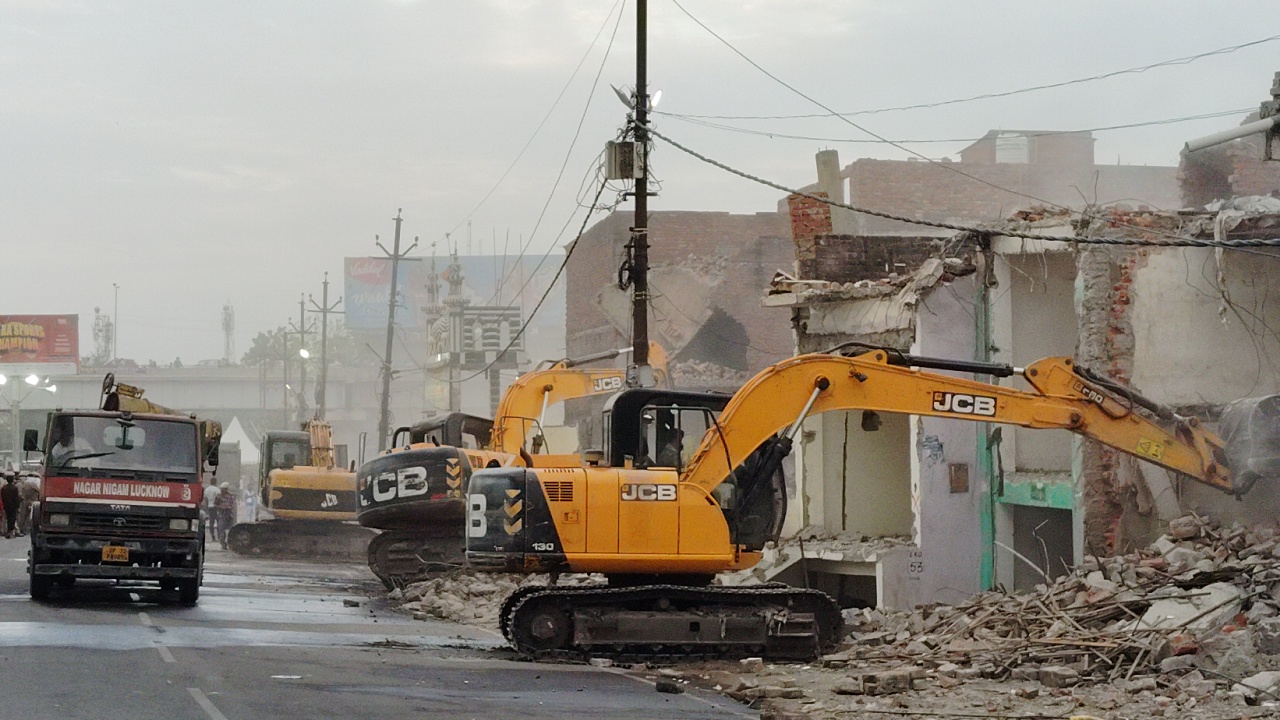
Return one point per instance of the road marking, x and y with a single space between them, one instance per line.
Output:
206 705
165 655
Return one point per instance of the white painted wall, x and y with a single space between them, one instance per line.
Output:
1206 330
867 475
949 528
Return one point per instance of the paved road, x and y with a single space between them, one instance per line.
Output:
276 640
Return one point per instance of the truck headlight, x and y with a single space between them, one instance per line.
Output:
63 519
179 524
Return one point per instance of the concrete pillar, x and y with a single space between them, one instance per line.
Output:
843 222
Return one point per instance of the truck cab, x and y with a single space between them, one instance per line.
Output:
120 499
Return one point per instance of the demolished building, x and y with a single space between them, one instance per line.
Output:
1189 327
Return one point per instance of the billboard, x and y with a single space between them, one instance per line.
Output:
487 280
45 344
367 289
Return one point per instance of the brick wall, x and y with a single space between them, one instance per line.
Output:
849 258
1230 170
745 250
809 217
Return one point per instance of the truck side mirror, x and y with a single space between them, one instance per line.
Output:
212 456
31 440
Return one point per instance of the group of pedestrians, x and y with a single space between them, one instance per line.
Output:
19 492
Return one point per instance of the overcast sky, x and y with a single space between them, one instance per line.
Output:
203 152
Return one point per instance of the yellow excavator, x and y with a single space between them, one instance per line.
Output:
307 500
414 493
660 534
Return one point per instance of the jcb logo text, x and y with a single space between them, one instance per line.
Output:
405 482
605 384
649 491
964 403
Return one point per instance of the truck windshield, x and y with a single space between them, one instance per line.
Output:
145 449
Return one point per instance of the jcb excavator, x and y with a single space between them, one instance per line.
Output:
660 534
307 500
415 492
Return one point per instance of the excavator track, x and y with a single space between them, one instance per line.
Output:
399 557
670 623
296 539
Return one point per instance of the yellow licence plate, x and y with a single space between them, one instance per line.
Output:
115 553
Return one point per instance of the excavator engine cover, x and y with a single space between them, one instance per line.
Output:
1251 430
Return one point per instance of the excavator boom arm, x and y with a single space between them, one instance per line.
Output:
777 397
525 399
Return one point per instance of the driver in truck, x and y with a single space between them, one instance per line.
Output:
65 445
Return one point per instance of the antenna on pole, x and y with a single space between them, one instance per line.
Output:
325 310
641 375
384 413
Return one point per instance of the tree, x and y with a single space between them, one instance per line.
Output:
266 347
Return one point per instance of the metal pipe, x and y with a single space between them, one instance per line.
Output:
818 386
1218 138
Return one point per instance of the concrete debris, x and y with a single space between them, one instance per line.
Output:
933 272
817 544
1200 597
695 373
470 597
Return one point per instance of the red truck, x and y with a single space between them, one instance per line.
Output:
120 495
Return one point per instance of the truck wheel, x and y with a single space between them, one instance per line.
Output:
189 590
40 586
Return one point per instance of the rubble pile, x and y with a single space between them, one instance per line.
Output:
1198 609
468 596
693 373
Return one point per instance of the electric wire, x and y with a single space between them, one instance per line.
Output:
1186 60
786 136
1166 240
542 122
949 167
595 83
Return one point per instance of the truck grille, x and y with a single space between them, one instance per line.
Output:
120 523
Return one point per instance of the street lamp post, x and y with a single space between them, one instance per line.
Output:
15 408
303 356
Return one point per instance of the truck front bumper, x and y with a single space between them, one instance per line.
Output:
80 556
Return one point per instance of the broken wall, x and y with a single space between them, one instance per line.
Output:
1205 328
935 191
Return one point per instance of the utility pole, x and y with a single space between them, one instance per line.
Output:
325 310
115 322
303 331
284 362
643 375
384 414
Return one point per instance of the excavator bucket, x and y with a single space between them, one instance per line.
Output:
1251 430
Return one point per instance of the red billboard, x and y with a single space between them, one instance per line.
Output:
45 340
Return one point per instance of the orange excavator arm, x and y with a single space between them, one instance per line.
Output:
780 397
526 400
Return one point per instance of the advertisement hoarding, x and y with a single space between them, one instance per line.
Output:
42 344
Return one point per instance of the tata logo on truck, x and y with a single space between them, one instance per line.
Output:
648 492
964 404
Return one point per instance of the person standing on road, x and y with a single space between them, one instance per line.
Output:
12 501
226 512
29 491
210 510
